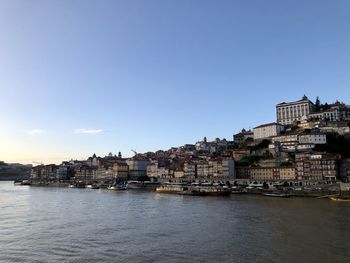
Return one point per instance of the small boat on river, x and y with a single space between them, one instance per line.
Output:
147 185
277 194
193 190
117 187
21 182
91 186
17 182
339 199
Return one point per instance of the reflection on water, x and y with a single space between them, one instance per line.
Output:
39 224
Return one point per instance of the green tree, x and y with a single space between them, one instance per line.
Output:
335 144
317 104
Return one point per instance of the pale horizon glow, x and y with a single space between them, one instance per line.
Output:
36 132
83 77
88 131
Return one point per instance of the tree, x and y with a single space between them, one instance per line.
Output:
317 104
335 144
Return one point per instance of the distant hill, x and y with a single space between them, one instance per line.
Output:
14 171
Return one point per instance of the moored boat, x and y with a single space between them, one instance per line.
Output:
117 187
171 188
193 190
143 185
339 199
21 182
92 186
17 182
276 194
213 190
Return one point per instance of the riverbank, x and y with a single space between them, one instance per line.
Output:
189 189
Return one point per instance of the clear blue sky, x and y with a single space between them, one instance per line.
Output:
149 75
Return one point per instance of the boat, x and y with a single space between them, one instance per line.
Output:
147 185
25 182
71 186
213 190
171 188
20 182
276 194
339 199
117 187
92 186
17 182
193 190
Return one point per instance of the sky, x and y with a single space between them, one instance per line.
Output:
79 77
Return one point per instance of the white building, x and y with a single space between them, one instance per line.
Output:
313 138
267 130
329 115
289 112
298 141
291 138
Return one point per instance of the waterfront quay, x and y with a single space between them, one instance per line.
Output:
293 188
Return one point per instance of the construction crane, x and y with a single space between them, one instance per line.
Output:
134 152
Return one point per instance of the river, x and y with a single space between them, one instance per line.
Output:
43 224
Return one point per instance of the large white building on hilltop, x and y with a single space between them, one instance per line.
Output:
267 130
289 112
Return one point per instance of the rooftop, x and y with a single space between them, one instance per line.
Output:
268 124
303 99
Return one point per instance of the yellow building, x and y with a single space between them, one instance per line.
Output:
272 173
121 170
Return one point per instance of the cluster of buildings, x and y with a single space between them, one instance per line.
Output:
284 150
185 163
301 127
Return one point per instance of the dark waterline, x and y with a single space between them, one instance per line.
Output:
39 224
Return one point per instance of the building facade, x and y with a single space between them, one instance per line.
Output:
137 168
318 167
298 141
272 173
243 136
290 112
121 170
267 130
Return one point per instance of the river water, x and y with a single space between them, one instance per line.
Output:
39 224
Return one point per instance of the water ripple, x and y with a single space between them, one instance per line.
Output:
40 224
